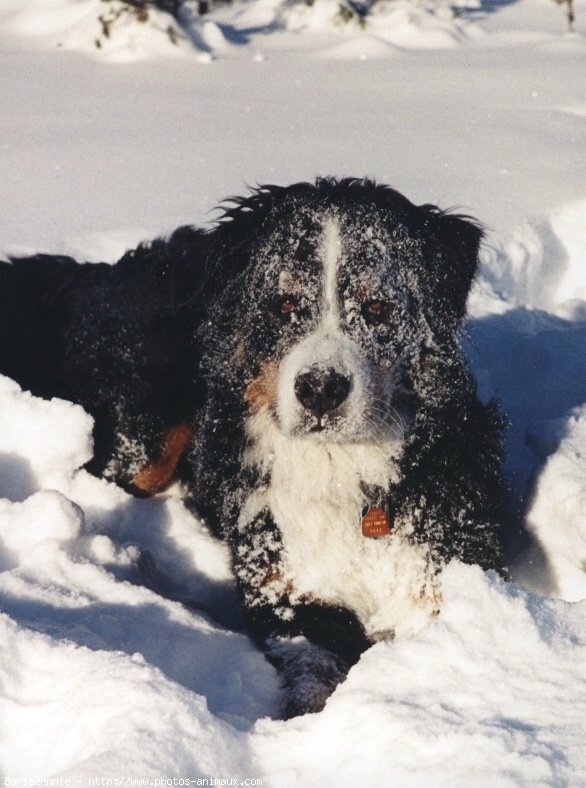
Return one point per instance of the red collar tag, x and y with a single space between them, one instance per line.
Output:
375 523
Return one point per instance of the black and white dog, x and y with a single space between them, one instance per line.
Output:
298 367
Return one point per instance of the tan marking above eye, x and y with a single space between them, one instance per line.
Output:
289 283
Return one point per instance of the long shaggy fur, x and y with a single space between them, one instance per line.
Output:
294 365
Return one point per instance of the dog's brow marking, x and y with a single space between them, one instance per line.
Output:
331 247
288 282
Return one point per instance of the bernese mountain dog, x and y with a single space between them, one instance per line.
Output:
297 366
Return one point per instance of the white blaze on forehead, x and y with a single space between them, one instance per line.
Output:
330 252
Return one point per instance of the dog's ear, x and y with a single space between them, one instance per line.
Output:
451 245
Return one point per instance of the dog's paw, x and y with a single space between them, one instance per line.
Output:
309 674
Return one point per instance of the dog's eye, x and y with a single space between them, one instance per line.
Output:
375 310
285 306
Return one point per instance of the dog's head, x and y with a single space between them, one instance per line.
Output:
335 295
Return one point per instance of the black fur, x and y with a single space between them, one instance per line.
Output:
178 329
118 340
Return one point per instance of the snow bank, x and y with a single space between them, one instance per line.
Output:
116 32
83 712
46 437
104 672
557 516
541 264
121 654
403 23
527 337
484 696
105 571
112 31
528 333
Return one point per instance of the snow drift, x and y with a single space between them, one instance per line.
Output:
114 661
123 653
114 31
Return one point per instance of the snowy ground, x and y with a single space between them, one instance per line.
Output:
122 651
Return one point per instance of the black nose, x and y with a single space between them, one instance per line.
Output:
321 390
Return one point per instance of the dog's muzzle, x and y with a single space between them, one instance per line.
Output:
324 385
322 390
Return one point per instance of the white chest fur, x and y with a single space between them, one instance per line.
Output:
315 497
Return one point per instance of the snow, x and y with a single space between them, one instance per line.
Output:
123 652
104 676
522 269
556 516
485 710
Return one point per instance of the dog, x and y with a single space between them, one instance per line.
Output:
297 366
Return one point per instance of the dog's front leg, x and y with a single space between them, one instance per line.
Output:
322 644
312 645
309 673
